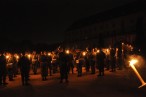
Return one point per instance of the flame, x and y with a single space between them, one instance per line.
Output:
67 51
84 53
29 55
7 57
98 51
17 57
133 61
49 54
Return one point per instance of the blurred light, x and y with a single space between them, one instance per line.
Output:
7 56
98 51
29 56
132 62
67 51
49 54
17 57
84 53
77 61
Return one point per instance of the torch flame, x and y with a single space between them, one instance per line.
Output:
29 56
67 51
133 61
7 57
17 57
49 54
84 53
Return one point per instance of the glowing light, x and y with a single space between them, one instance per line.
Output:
77 61
67 51
107 50
132 62
49 54
17 57
98 51
94 53
29 56
87 49
7 57
84 53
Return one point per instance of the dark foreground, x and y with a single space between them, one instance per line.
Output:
122 83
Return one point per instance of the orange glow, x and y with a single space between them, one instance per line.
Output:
132 62
67 51
107 50
7 57
17 57
29 56
98 51
49 54
77 61
84 53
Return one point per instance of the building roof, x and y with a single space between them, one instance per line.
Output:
109 14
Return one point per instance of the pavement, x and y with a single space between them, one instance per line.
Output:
122 83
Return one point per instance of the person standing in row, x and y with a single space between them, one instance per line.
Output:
100 61
44 66
63 66
24 64
113 60
3 69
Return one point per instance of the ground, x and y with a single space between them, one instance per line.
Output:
122 83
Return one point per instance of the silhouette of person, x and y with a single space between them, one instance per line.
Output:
3 70
100 61
44 66
24 64
113 60
63 66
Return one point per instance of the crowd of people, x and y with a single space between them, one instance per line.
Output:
63 61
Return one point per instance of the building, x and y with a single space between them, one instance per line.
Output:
121 24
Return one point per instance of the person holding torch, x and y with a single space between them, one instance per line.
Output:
63 66
100 61
24 64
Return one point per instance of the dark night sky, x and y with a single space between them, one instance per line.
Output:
46 20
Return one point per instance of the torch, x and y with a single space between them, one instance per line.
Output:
49 54
29 56
67 51
84 53
7 56
132 62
